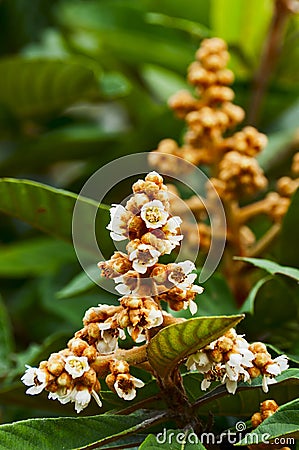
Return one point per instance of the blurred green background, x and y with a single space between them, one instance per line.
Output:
82 83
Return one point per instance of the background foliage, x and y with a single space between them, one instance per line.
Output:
86 81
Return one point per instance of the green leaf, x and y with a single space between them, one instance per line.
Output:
272 267
271 322
31 88
121 31
6 339
80 284
47 208
34 257
163 82
283 423
172 440
248 305
175 342
289 238
53 434
72 142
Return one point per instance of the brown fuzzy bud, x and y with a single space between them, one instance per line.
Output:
286 186
93 330
269 405
123 319
256 419
234 113
110 380
77 346
182 103
90 353
225 345
295 164
216 356
258 347
55 364
64 380
261 360
89 378
254 372
219 94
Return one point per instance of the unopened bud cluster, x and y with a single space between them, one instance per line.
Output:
231 359
267 409
210 116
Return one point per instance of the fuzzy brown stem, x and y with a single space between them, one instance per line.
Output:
266 240
239 285
269 57
254 209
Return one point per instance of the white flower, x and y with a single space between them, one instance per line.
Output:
63 395
181 275
76 365
191 303
125 386
199 361
35 378
119 218
277 365
154 318
170 230
205 384
266 381
122 288
81 399
109 338
143 257
153 214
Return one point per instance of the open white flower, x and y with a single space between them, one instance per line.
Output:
109 338
119 218
153 214
191 304
199 361
63 395
170 230
154 318
277 365
205 384
81 399
266 381
125 386
35 378
181 276
274 368
76 365
143 257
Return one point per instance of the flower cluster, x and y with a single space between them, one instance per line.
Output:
229 157
72 375
146 222
231 359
